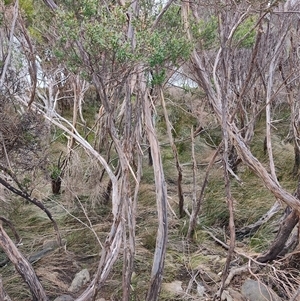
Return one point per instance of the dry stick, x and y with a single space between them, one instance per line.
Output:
34 201
51 4
23 266
175 154
268 104
197 206
228 194
31 58
192 223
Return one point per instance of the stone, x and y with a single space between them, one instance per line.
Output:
257 291
80 279
236 296
64 298
200 290
174 287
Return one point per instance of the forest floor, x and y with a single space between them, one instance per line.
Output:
193 269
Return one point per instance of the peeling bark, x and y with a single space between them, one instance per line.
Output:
161 200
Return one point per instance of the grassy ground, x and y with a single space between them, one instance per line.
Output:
189 264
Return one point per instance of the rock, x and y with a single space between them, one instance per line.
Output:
80 279
64 298
206 274
174 287
226 296
236 296
256 291
200 290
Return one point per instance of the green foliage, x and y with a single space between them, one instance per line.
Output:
244 36
55 172
206 32
103 34
8 2
26 182
159 77
27 6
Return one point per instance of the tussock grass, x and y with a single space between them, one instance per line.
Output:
82 198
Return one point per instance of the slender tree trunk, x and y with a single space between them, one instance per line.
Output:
297 159
161 200
285 229
56 185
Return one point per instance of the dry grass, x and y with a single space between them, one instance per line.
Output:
80 207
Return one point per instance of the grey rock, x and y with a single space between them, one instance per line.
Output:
257 291
64 298
174 287
81 278
236 296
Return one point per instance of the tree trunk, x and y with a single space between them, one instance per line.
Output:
284 232
161 200
286 228
297 160
56 185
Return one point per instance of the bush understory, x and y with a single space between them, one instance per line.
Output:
81 207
